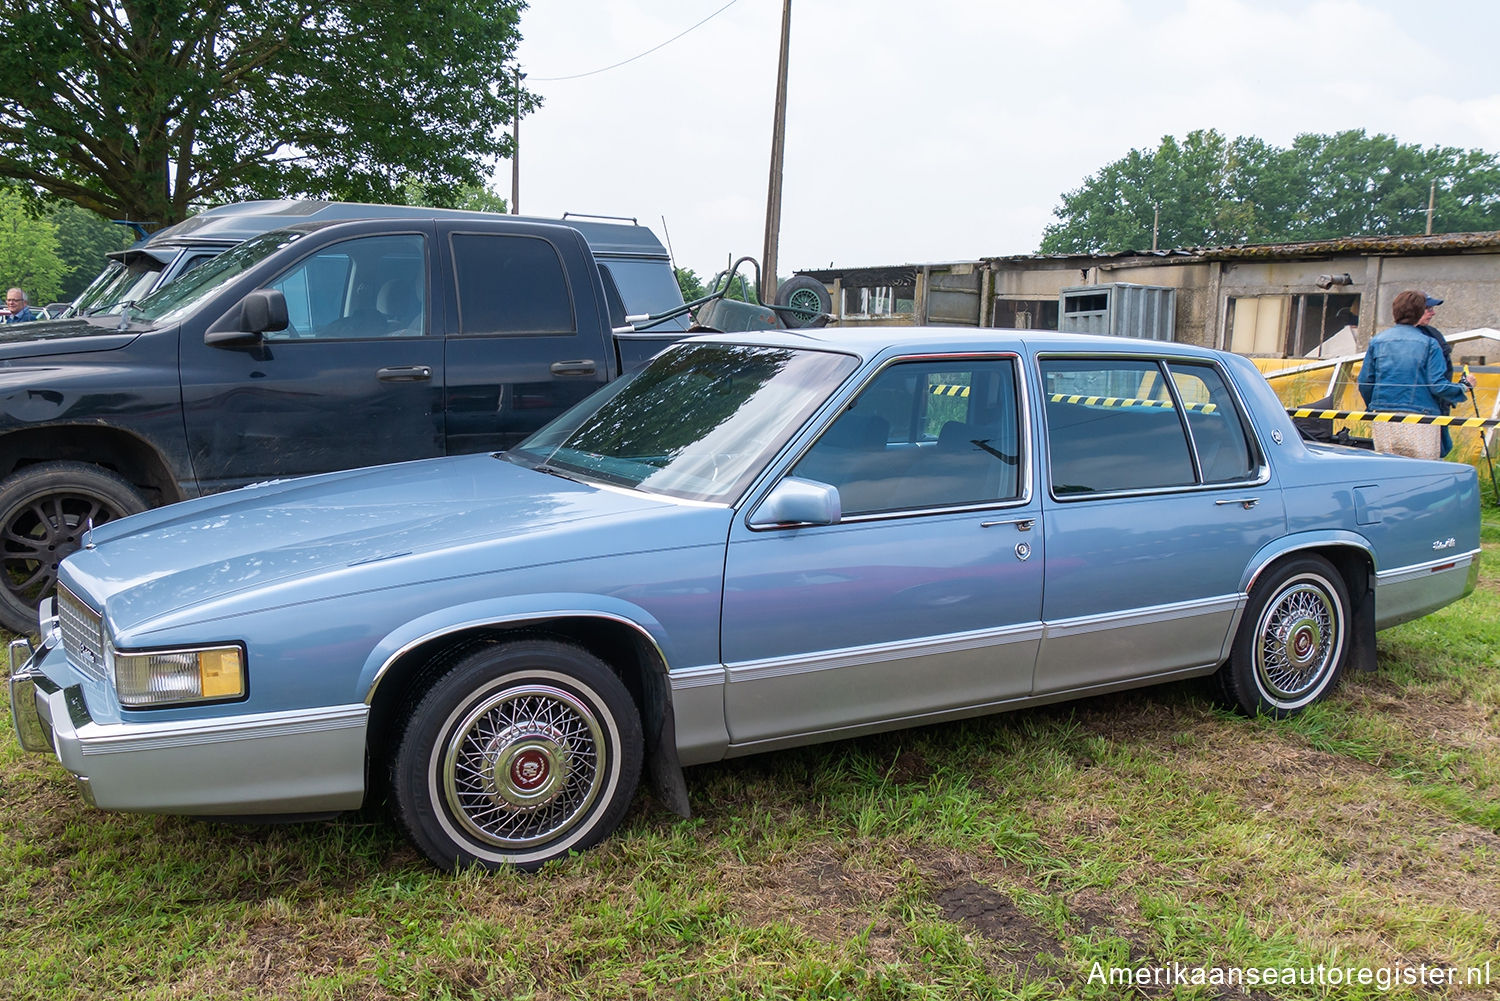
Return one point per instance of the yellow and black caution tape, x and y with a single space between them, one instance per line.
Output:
1129 401
1394 418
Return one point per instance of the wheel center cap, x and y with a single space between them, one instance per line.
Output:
529 769
1304 643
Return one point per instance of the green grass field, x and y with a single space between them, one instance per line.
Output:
1031 855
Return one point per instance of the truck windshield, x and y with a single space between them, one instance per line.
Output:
120 282
170 303
699 422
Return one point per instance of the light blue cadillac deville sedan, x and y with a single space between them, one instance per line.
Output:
755 542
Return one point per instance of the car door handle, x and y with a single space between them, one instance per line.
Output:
1022 524
404 373
1245 502
583 366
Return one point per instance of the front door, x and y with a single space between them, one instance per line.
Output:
356 379
925 598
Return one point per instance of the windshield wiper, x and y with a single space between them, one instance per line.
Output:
125 308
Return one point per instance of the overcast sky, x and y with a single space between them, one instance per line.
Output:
921 131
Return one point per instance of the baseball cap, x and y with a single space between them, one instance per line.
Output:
1431 302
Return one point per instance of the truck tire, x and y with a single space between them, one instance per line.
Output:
805 298
44 511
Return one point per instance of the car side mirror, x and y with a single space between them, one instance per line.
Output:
797 501
260 312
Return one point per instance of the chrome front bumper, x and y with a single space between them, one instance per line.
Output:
295 762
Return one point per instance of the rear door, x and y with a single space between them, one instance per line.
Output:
355 380
529 334
1158 500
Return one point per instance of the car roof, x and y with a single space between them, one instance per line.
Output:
231 224
870 341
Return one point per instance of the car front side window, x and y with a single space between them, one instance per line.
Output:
924 434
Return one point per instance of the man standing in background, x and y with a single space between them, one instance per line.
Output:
16 310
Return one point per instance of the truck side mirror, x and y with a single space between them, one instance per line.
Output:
260 312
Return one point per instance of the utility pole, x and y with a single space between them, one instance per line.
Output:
515 152
778 142
1431 204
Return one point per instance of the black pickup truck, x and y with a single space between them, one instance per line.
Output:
309 348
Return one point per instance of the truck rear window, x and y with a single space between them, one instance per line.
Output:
510 285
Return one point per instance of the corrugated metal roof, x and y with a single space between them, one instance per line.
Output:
1437 243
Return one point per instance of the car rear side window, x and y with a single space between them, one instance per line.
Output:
1219 439
1135 424
510 285
1113 425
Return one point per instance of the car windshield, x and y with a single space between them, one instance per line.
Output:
699 422
170 303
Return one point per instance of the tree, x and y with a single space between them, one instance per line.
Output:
143 111
1211 190
28 249
690 284
83 239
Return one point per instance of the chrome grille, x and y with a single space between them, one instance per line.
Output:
82 633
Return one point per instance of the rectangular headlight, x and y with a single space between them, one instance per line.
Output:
172 677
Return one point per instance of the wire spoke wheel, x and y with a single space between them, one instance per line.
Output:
516 754
1297 637
523 765
1292 642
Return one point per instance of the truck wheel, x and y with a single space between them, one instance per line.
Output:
520 754
1292 642
44 511
806 299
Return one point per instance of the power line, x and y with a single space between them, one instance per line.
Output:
603 69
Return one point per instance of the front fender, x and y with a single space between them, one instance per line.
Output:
510 610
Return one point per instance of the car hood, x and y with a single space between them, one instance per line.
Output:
303 539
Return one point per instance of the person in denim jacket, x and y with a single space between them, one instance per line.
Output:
1404 371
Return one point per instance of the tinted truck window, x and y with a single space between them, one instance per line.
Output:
510 285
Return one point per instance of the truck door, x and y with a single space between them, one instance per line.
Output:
356 379
527 342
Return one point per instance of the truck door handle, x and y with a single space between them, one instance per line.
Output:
583 366
404 373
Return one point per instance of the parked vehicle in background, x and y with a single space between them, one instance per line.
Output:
315 346
634 258
757 541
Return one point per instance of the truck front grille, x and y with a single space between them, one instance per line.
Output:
82 633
